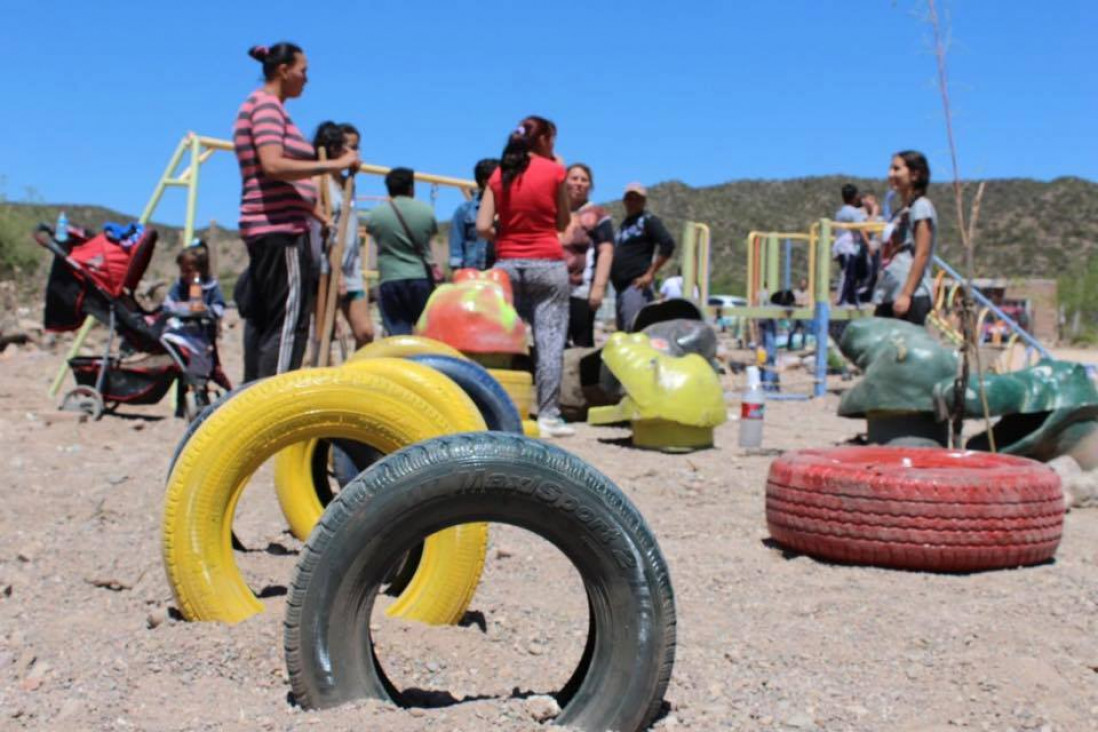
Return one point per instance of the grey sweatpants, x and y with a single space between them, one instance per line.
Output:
541 291
628 303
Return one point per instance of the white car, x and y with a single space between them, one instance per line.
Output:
725 305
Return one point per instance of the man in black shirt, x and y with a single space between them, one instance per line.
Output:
634 270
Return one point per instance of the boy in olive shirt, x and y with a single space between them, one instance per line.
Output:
402 227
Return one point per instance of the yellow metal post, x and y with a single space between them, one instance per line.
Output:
163 182
192 191
702 267
689 259
749 244
773 264
823 262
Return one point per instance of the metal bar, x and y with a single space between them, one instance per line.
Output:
776 311
871 226
794 236
823 262
182 177
787 265
812 264
749 244
820 326
442 180
192 192
689 260
704 240
74 349
173 162
773 264
983 300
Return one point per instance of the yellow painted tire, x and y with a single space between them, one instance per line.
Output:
209 477
519 385
402 347
293 475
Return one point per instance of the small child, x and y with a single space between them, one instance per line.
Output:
195 292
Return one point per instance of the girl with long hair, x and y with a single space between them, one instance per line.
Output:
527 193
588 251
905 289
335 140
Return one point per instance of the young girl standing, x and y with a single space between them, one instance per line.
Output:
335 140
904 289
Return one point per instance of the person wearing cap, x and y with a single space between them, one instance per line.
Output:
641 237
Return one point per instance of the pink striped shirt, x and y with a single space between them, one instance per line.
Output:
269 206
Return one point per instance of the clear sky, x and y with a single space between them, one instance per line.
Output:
97 94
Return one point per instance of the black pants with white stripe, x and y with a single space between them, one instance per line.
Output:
281 289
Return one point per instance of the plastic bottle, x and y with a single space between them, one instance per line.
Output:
752 410
62 233
195 295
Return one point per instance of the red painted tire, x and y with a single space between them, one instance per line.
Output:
915 508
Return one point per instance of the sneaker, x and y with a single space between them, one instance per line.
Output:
554 427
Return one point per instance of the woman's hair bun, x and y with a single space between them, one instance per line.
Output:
259 53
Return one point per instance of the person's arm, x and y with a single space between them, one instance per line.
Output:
276 165
920 261
564 208
215 300
174 301
457 237
604 258
666 246
268 130
486 216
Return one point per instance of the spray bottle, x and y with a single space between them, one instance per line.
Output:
752 410
61 234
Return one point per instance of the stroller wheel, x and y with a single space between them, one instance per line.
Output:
83 399
194 401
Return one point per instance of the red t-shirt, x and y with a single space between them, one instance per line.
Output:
528 211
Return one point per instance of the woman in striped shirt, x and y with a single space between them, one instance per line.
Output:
278 196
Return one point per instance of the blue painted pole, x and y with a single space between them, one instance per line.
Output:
983 300
770 343
787 272
819 328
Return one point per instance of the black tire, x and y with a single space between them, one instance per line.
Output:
493 402
457 479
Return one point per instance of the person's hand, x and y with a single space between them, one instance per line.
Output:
596 297
645 280
901 305
342 287
349 160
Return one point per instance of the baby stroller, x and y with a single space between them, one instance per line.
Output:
95 276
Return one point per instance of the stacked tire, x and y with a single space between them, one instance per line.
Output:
915 508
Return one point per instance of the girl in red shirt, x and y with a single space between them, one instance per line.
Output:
528 195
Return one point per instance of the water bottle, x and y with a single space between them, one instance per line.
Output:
195 295
62 234
752 410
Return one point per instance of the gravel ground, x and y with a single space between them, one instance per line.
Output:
89 639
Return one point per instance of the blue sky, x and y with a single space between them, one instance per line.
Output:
98 94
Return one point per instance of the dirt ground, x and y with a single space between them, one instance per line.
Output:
765 640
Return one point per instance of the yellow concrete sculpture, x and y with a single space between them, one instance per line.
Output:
673 403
